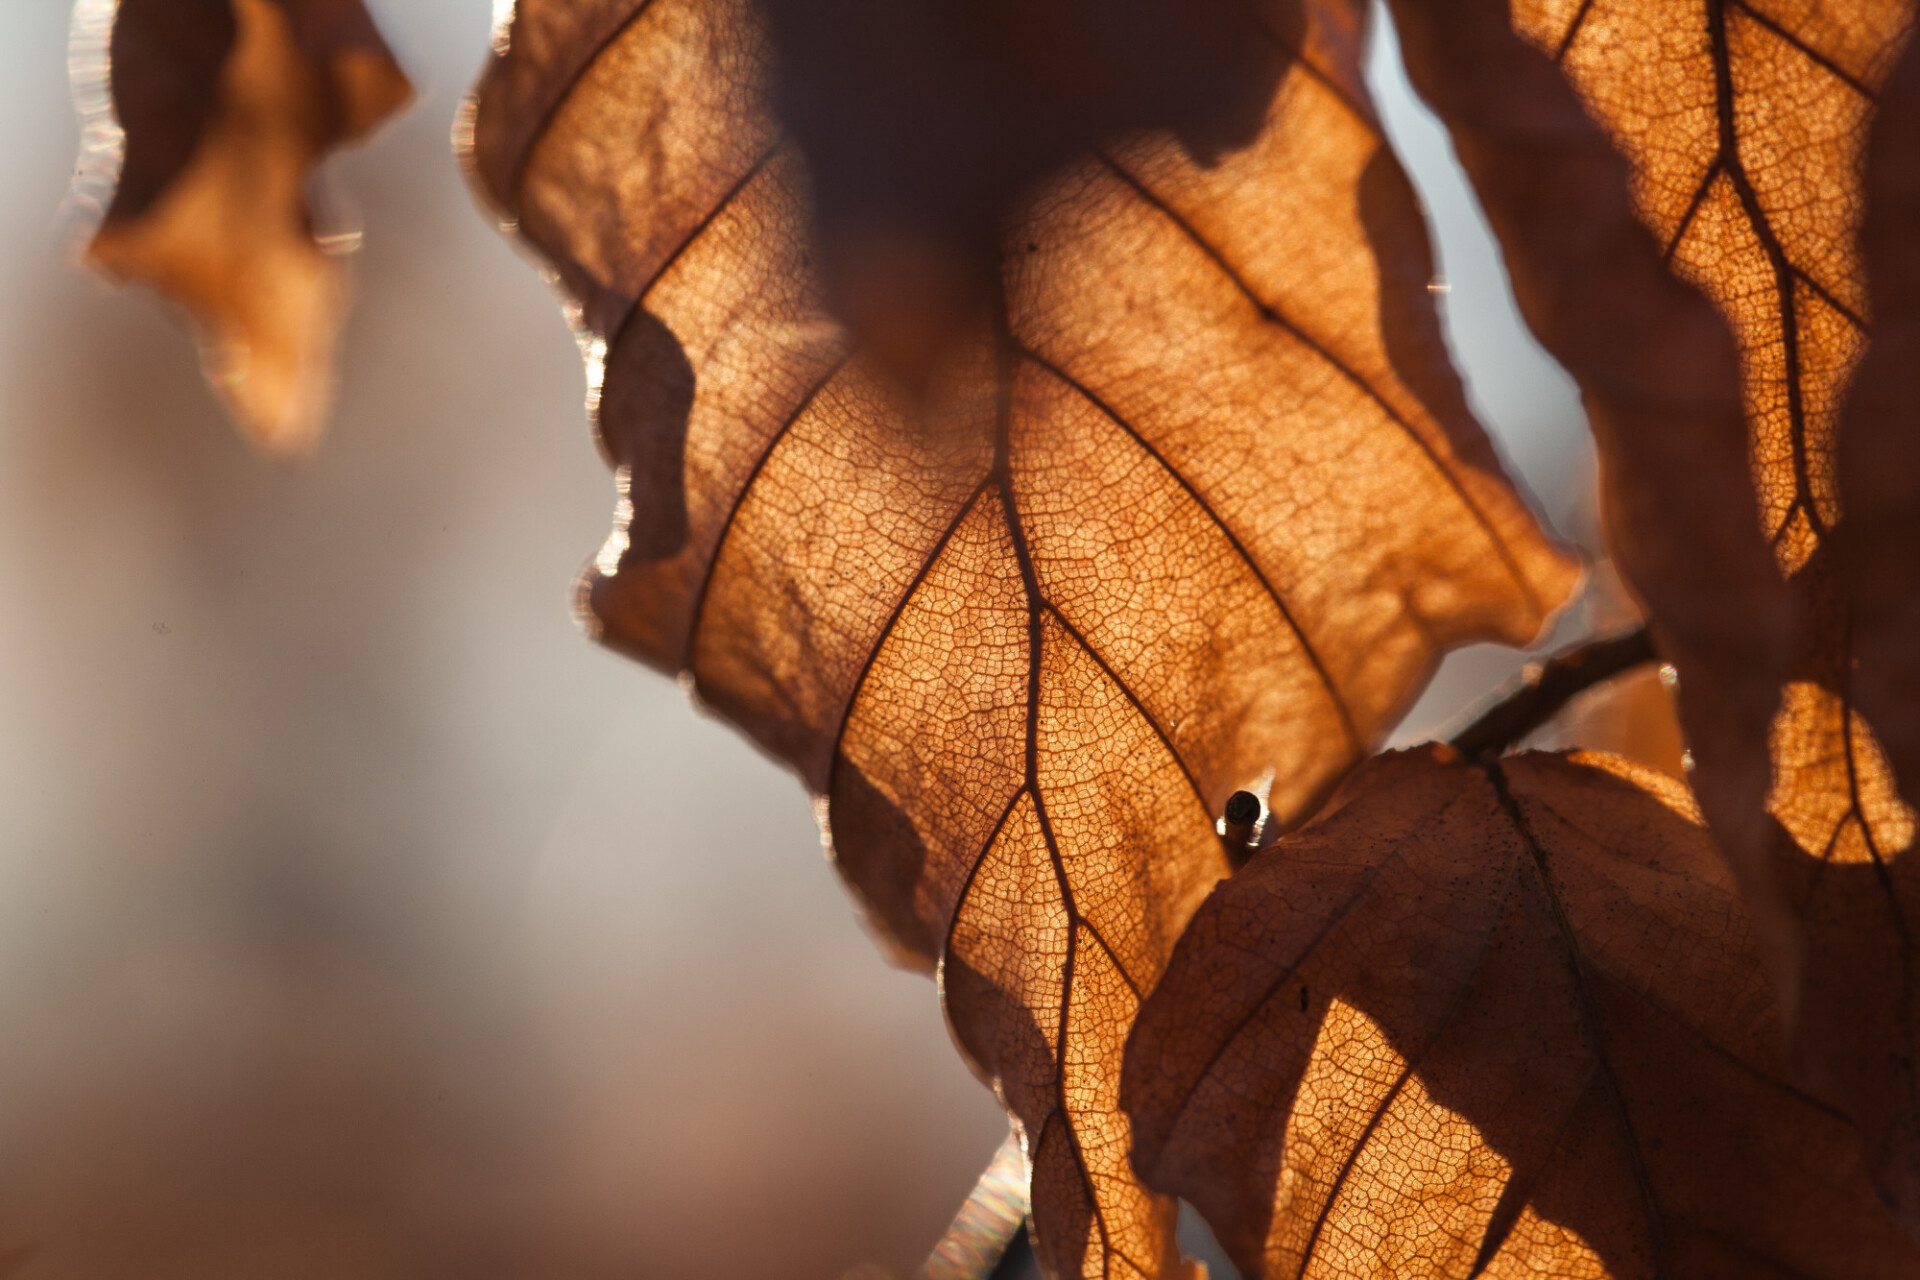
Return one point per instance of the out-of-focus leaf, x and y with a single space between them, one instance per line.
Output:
1504 1022
1190 503
1880 437
1660 378
223 112
922 120
1746 123
1863 1008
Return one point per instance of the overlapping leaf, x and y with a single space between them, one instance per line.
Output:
1880 439
1493 1021
1660 378
1193 505
216 113
1745 123
923 120
1864 1008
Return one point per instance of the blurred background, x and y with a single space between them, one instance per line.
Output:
358 918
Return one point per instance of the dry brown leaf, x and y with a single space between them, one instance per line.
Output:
1880 440
1745 122
223 112
921 122
1504 1022
1863 1008
1660 379
1195 508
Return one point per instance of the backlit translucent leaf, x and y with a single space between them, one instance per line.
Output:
1661 382
216 115
1863 1007
1880 443
1184 500
1503 1022
1746 122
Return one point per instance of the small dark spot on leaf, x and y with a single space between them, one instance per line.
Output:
1242 808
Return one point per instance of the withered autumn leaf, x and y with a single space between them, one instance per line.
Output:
1858 1038
224 108
1503 1020
921 122
1192 503
1746 124
1661 384
1880 436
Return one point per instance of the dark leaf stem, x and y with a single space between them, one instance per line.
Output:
1549 687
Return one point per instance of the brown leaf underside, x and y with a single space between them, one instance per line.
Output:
1863 918
1746 122
226 110
1880 440
1660 377
1198 508
1503 1021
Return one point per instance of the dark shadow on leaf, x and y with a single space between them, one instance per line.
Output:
938 113
1063 1216
882 859
645 401
167 56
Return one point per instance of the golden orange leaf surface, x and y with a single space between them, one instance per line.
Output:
1863 1008
1660 377
1746 124
1504 1020
223 111
1192 503
1880 437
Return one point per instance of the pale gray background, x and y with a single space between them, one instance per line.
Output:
359 918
